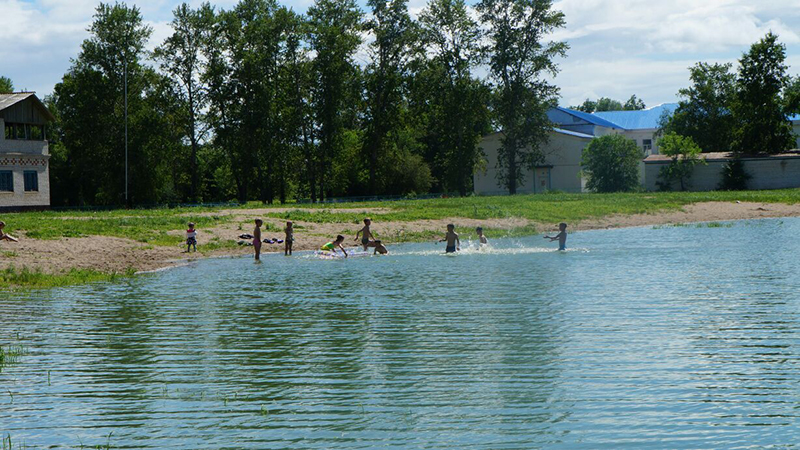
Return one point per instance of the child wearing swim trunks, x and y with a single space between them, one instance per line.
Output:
452 239
288 239
561 237
331 246
257 238
380 248
191 238
4 236
366 234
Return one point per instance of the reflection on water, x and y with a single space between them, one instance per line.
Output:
666 338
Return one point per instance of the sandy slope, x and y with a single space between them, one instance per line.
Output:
114 254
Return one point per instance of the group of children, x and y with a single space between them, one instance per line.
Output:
366 237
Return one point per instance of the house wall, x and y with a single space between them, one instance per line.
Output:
796 128
780 172
639 136
563 153
19 156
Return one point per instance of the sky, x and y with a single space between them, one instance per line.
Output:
617 47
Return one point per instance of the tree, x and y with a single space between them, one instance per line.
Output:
519 59
634 104
791 96
761 123
180 58
333 34
454 102
611 163
704 112
385 75
6 86
684 156
734 177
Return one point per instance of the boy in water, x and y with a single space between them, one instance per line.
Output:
257 239
481 238
561 237
4 236
331 246
288 239
366 234
191 238
380 248
452 239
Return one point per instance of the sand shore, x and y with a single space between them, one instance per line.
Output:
109 254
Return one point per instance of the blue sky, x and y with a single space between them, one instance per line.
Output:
618 47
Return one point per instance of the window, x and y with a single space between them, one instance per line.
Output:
6 181
37 133
9 131
31 180
647 144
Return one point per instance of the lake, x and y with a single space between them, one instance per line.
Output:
671 337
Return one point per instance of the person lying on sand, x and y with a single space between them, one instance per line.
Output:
331 246
561 237
4 236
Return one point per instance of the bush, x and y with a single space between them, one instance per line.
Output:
612 164
734 177
685 155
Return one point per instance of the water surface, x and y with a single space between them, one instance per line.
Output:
662 338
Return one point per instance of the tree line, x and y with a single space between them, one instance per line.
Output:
262 103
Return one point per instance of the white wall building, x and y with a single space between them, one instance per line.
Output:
561 169
24 154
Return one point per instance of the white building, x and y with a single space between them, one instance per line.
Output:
24 154
561 169
640 126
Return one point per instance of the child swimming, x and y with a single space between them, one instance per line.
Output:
257 239
4 236
331 246
481 238
288 239
366 235
380 248
191 238
561 237
452 239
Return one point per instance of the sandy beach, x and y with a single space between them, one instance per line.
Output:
110 254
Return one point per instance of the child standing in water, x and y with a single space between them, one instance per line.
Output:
380 248
191 238
561 237
257 239
481 238
366 234
452 239
331 246
4 236
288 239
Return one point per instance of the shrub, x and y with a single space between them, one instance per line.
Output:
684 154
734 177
612 164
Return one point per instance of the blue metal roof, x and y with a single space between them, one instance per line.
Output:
591 118
645 119
794 118
573 133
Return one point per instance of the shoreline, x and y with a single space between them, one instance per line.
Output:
112 256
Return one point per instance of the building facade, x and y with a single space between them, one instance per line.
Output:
560 171
24 153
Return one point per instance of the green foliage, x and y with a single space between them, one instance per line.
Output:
6 85
612 164
734 176
684 156
704 113
606 104
519 59
11 278
758 107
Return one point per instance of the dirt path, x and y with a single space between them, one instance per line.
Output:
110 254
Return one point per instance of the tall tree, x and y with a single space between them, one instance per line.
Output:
606 104
389 53
634 104
519 58
456 102
181 59
333 34
704 111
6 86
758 107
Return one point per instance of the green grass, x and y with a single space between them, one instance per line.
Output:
10 355
11 278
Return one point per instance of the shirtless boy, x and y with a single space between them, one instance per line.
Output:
561 237
453 243
366 235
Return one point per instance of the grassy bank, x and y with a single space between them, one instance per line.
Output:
12 278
